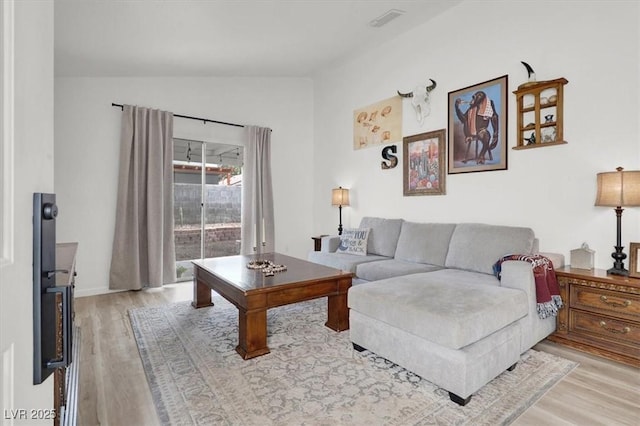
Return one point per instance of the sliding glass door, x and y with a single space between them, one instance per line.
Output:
207 202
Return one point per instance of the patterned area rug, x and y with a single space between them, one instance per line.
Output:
311 377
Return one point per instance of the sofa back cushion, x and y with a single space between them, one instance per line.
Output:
383 235
476 246
424 242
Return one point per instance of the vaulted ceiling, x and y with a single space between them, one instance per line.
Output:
288 38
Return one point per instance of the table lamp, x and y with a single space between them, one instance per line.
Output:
618 189
340 197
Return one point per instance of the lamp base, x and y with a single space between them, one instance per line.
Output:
618 256
618 271
618 261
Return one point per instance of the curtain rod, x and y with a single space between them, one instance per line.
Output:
204 120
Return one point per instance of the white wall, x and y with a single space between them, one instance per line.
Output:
595 45
87 148
32 171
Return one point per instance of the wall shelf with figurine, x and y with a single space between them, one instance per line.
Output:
540 113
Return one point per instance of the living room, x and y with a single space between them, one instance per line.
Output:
594 45
551 190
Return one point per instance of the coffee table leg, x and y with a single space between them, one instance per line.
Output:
337 312
252 333
201 294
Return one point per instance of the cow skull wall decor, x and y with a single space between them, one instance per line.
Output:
420 100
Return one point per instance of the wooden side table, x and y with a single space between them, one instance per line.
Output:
601 314
317 242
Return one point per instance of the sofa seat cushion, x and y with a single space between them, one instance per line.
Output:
345 262
424 242
379 270
466 277
453 314
477 246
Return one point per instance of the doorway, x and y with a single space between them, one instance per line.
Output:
207 201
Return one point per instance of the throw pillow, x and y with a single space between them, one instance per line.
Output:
354 241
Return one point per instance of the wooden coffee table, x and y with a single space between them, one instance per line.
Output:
253 293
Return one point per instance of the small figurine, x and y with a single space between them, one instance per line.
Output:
531 140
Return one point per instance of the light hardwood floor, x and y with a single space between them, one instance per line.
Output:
114 390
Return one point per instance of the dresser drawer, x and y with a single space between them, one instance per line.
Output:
601 314
626 333
620 305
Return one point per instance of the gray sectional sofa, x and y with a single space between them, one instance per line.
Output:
425 297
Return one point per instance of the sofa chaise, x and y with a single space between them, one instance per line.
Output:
426 298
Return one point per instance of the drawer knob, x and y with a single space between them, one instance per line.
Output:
625 330
615 304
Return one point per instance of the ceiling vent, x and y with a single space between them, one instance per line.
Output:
386 17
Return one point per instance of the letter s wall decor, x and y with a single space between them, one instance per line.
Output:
393 160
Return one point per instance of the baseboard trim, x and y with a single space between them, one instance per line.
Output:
78 292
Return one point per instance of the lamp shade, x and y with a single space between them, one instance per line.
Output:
340 197
618 189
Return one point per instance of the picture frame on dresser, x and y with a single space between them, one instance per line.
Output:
634 260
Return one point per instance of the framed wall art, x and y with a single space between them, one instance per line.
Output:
478 127
634 260
424 163
378 124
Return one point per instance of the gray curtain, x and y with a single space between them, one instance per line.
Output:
143 253
257 192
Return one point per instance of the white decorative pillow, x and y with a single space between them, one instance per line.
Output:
354 241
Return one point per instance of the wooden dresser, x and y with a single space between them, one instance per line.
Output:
601 314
